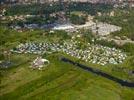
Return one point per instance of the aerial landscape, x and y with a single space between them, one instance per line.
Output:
66 49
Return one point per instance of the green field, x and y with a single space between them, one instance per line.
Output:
58 81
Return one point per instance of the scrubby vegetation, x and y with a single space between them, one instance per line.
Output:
78 18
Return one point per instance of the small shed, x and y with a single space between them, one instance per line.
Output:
39 63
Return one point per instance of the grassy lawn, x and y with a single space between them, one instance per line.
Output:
58 81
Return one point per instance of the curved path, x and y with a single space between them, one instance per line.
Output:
100 73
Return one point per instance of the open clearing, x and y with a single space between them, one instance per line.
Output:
59 81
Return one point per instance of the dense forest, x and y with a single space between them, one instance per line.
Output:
47 9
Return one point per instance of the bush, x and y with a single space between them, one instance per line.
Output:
76 19
128 47
106 43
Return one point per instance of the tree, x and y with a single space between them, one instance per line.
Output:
78 19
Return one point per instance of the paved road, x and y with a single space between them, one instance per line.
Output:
100 73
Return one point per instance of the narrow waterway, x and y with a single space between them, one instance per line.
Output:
100 73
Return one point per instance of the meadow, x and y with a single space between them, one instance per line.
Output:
58 81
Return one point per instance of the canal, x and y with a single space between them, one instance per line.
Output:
100 73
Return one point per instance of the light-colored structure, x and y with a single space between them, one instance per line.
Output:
39 63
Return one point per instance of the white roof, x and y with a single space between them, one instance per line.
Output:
63 27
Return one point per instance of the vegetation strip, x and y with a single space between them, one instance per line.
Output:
98 72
